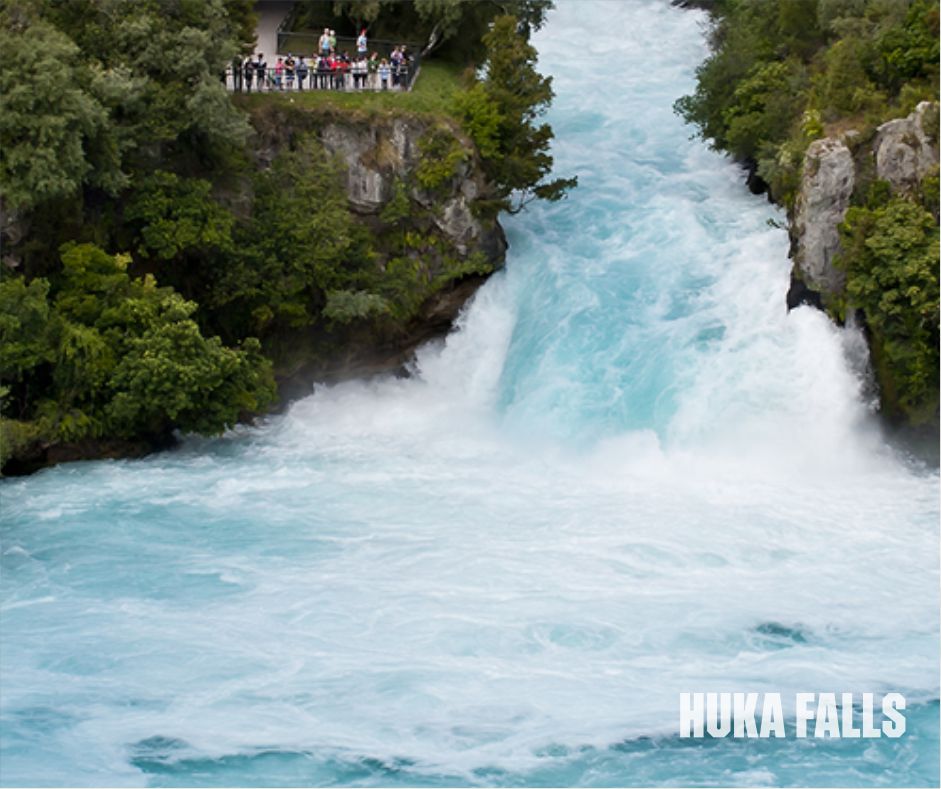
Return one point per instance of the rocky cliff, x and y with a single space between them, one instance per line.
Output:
423 241
425 169
827 183
890 284
902 152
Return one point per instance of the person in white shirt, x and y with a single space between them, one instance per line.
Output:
384 72
359 73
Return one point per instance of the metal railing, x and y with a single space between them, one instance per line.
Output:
239 79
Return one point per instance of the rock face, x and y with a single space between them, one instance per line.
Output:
904 151
377 153
374 156
851 169
380 154
826 187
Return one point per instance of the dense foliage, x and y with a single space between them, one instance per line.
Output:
94 91
786 72
501 114
891 258
454 29
102 354
124 162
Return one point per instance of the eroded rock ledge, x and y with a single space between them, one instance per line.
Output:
901 153
381 154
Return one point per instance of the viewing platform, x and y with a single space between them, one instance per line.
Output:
275 41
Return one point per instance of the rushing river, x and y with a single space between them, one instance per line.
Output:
628 473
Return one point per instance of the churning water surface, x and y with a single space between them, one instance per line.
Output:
628 473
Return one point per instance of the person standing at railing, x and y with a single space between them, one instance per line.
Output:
336 78
236 68
261 70
323 71
345 71
289 65
395 59
302 72
279 74
359 73
372 69
248 71
403 69
384 72
354 74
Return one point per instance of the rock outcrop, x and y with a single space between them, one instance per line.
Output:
382 155
837 172
375 155
905 150
902 153
826 187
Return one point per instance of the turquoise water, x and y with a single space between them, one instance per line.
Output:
626 475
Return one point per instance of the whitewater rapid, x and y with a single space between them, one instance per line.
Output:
626 474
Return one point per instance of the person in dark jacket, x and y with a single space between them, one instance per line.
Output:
248 71
289 66
236 68
261 70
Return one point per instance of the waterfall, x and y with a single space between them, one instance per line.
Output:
628 473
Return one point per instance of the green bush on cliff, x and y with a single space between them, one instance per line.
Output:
103 354
501 114
891 261
346 306
24 327
300 242
94 94
174 216
47 122
116 134
785 72
776 62
763 106
441 155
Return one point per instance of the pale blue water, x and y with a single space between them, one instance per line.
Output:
628 474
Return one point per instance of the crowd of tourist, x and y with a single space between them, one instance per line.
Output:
327 69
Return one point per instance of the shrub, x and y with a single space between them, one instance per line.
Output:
126 357
891 261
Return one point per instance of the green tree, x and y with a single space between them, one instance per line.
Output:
24 327
762 108
909 50
174 215
502 114
891 262
93 92
46 118
301 242
117 356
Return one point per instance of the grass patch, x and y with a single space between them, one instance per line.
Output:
433 93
